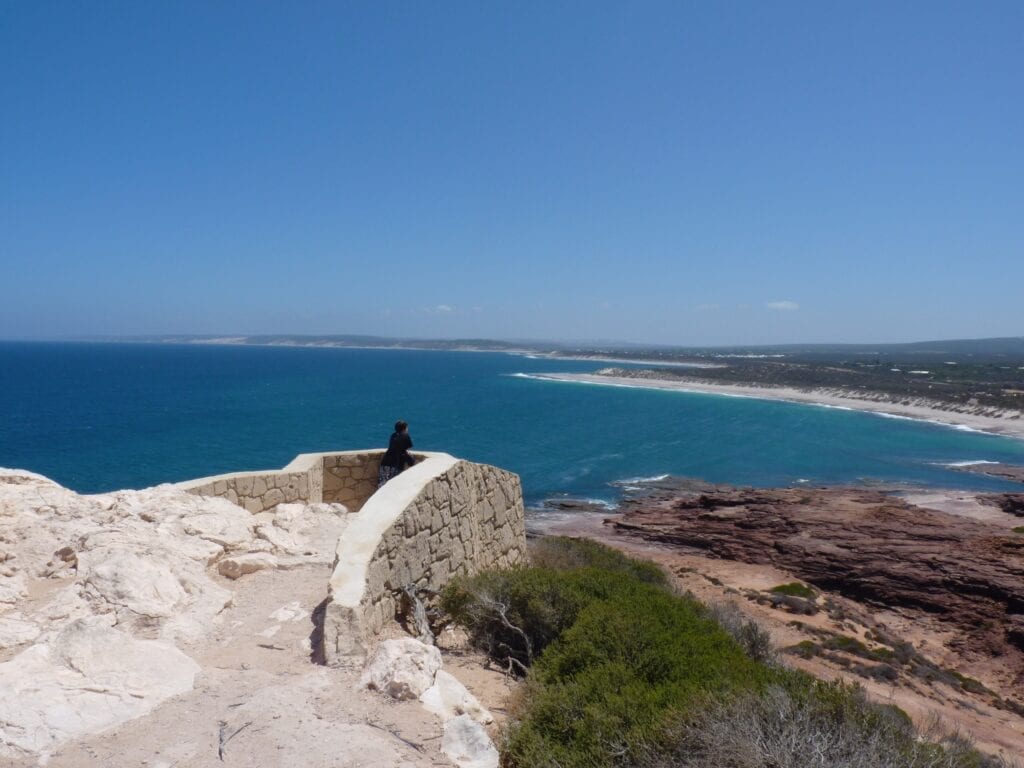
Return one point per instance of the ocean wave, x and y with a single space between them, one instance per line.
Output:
968 463
604 503
636 480
937 422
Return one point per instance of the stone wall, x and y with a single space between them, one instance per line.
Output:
441 518
302 480
350 478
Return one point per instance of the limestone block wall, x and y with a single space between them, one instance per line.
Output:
441 518
351 477
348 477
302 480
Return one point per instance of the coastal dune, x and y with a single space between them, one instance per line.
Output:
995 421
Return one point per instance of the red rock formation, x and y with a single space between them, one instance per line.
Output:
864 544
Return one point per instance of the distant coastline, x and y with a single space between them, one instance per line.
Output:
1007 423
426 346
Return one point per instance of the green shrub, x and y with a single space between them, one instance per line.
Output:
806 649
614 681
1019 529
513 615
847 644
795 589
755 641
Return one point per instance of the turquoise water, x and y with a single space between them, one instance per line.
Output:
97 417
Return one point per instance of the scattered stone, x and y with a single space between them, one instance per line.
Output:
291 612
448 698
467 744
403 669
239 565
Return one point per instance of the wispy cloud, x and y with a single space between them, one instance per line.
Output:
783 306
708 307
441 309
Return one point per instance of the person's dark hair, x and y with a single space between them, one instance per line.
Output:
401 426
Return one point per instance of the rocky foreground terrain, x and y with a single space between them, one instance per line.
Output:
157 628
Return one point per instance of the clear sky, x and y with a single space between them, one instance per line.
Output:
679 172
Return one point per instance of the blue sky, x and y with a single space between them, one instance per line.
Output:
692 173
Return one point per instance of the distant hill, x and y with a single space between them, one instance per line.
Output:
994 350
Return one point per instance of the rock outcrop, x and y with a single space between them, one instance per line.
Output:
97 592
863 544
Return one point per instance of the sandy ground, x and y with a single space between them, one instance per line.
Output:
714 580
1011 425
263 698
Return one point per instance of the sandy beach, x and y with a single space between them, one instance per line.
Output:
1010 424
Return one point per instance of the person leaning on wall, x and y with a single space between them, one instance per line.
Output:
397 456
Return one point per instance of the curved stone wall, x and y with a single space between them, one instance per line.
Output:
440 518
301 480
348 477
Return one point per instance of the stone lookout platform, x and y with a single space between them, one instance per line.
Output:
441 518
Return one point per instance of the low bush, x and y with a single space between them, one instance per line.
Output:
611 683
755 641
795 589
809 724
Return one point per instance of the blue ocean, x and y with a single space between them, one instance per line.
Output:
97 417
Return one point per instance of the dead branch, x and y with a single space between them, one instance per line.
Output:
223 739
419 615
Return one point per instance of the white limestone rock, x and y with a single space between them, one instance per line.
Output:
88 678
15 631
231 529
280 540
448 698
467 744
403 669
143 586
133 583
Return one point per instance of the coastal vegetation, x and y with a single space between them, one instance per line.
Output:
621 670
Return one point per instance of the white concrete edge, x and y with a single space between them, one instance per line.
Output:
359 542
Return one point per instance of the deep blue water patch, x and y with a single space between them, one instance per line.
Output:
96 417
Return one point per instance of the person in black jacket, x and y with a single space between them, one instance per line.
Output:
397 456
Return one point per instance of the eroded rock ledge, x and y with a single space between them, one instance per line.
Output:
867 545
